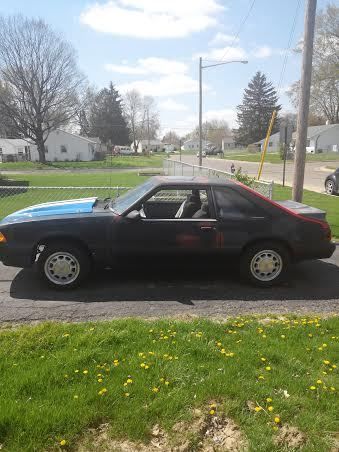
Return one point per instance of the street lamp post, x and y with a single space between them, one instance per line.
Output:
201 67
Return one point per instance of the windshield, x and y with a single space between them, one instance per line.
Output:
121 204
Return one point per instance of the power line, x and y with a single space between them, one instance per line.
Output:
247 15
288 48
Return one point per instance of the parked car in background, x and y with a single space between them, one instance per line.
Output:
123 150
332 183
203 153
161 218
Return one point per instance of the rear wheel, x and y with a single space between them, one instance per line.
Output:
63 265
265 264
329 187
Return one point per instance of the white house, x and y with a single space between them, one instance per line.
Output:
273 144
322 138
15 149
193 144
62 146
143 146
228 143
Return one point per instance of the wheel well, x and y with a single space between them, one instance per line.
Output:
279 241
68 239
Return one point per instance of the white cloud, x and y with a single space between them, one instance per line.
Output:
150 65
169 85
222 38
262 52
172 105
152 19
227 53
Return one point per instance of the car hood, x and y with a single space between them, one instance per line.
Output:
72 206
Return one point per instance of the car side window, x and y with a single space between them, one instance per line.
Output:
231 204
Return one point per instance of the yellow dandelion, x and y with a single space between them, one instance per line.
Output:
268 400
66 335
85 372
142 365
319 382
75 396
212 412
63 443
146 366
270 408
129 381
326 361
277 420
91 329
334 366
263 359
283 336
167 383
324 345
332 388
310 335
257 408
127 394
155 389
219 344
76 371
162 380
261 377
268 368
313 388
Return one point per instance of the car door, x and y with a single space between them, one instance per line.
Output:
161 233
240 219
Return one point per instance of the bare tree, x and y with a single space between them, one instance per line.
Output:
40 76
171 137
141 116
324 100
213 130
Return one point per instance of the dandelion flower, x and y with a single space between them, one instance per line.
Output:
167 383
129 381
334 366
319 382
270 408
268 400
312 388
332 388
263 359
326 361
268 368
75 397
76 371
283 336
63 442
257 409
127 394
277 420
212 412
155 389
85 372
261 377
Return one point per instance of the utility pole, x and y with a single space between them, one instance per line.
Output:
200 111
285 152
304 101
148 136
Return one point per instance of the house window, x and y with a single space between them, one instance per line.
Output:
20 151
0 151
63 149
270 144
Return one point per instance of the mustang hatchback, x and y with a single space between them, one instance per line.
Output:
166 216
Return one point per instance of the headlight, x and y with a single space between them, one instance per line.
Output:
2 238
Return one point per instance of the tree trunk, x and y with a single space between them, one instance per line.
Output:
41 149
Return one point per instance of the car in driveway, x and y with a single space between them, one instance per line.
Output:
166 217
332 183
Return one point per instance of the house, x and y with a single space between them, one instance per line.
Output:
193 145
167 147
148 146
228 143
273 144
62 146
15 149
322 138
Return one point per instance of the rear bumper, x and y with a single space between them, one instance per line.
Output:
323 252
12 256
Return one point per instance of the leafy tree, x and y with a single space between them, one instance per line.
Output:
106 118
171 137
41 79
254 114
324 96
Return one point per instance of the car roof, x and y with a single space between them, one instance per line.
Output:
191 180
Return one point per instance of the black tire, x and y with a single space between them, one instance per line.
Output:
70 257
268 253
330 187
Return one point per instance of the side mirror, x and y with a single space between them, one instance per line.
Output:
134 215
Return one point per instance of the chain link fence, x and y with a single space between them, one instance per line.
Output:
177 168
13 198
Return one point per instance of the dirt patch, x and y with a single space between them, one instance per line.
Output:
205 433
290 437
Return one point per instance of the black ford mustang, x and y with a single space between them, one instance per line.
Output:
165 216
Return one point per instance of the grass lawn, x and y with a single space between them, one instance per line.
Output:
10 202
59 379
127 161
325 202
275 157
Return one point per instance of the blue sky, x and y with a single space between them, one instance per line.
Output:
153 45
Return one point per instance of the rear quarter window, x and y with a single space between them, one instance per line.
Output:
232 204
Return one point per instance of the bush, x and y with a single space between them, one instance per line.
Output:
244 178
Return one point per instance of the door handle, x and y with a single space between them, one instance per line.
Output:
207 228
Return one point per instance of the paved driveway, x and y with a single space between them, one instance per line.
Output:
315 172
181 291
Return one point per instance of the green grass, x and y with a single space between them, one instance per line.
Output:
128 161
13 202
275 157
42 370
324 202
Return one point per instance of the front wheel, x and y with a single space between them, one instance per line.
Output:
329 187
63 265
265 264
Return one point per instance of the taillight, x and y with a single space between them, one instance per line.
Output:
2 238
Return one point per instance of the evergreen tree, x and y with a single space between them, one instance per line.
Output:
254 114
106 119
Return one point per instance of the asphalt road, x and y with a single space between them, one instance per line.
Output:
181 290
315 172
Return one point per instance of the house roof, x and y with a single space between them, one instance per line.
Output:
13 143
314 131
274 136
152 142
89 140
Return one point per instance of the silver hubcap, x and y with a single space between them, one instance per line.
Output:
62 268
266 265
329 187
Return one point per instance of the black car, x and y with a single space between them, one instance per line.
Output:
166 216
332 183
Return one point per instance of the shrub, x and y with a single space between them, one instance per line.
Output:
244 178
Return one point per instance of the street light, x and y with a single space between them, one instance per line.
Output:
201 67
